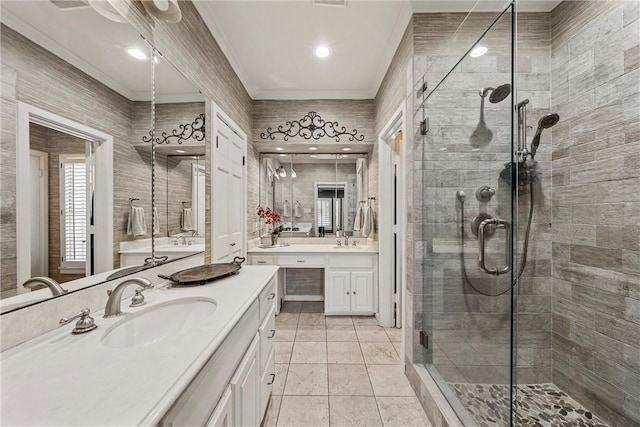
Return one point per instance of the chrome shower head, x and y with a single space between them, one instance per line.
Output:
547 121
498 94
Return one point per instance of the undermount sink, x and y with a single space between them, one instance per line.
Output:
277 245
347 247
156 323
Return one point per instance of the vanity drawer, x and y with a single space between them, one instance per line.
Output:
267 299
267 332
351 261
262 260
301 260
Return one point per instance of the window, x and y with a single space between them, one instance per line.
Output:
325 214
73 211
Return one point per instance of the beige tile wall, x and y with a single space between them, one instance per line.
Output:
596 206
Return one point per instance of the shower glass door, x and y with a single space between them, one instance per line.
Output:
465 127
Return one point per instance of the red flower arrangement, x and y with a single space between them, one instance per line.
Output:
269 216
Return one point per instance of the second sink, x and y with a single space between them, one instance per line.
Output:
156 323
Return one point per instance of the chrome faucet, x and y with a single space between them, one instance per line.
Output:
346 239
184 240
113 303
53 286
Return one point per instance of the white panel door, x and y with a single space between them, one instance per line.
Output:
223 414
227 204
338 292
362 292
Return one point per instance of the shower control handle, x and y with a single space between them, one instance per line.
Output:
485 193
498 223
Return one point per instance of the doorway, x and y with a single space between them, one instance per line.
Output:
98 208
392 220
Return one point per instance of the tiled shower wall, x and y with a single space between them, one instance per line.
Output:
596 206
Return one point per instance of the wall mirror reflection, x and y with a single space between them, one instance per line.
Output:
179 169
316 195
75 84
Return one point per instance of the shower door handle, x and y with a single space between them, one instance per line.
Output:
498 223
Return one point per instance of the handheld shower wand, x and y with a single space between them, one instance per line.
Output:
545 122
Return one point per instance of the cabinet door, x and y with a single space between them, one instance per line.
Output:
223 415
338 292
246 388
362 292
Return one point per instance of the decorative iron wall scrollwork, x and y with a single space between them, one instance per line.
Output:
311 126
193 130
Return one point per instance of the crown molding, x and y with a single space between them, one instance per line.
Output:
400 26
283 95
205 9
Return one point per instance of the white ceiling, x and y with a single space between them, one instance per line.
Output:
97 46
270 44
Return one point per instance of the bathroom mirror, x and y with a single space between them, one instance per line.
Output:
77 87
71 74
316 195
180 167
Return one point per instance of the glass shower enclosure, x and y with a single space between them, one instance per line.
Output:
485 327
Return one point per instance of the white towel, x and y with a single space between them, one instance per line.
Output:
369 222
297 210
137 225
286 209
186 220
359 221
156 226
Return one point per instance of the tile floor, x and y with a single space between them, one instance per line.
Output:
338 371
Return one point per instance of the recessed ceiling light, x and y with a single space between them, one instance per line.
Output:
279 148
180 151
478 51
345 155
314 155
283 155
313 148
137 53
346 149
322 51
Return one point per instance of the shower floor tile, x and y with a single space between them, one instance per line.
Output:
538 405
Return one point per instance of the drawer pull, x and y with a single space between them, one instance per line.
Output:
273 378
354 292
271 296
300 261
347 292
273 333
262 262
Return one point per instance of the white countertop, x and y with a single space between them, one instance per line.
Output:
63 379
318 248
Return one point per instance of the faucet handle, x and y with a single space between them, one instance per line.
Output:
84 324
138 299
339 243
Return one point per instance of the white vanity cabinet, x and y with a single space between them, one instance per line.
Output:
234 386
350 287
223 416
245 386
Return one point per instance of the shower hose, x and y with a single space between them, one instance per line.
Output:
523 263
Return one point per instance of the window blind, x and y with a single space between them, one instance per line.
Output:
74 209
